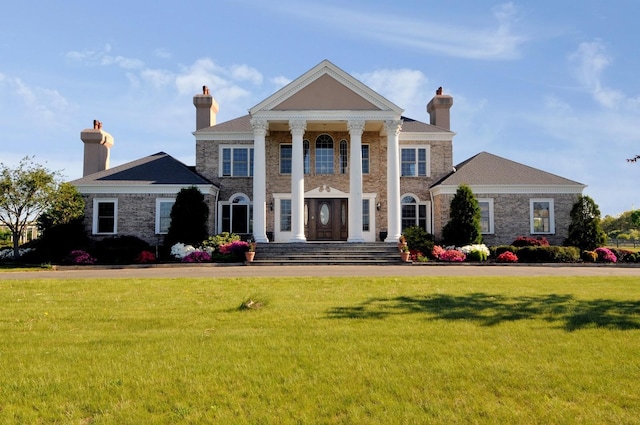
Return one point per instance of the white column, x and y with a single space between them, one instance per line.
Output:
259 181
393 181
356 129
297 181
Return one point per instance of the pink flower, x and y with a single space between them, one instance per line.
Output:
145 257
452 255
606 256
197 257
507 257
437 251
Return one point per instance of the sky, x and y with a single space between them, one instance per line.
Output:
551 84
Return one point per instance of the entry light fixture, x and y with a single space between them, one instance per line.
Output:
271 206
378 206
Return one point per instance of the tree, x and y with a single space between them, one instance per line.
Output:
463 227
61 226
585 231
189 216
25 192
635 218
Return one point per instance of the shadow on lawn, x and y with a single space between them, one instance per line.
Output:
489 310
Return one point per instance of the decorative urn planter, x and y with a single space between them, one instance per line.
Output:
249 255
405 256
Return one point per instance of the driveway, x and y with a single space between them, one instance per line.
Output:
212 271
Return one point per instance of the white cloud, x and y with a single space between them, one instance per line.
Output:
162 53
246 73
46 104
589 61
496 40
401 86
280 81
103 58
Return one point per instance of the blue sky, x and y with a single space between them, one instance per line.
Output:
551 84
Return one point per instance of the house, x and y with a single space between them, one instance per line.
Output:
325 158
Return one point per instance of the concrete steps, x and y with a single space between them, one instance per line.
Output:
315 253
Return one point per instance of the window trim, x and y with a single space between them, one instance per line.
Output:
427 160
246 200
552 225
418 203
489 201
159 217
331 166
95 219
221 161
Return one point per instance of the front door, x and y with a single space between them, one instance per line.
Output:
326 219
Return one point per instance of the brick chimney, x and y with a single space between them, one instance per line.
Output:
438 109
206 109
97 144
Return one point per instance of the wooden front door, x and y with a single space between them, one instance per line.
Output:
326 219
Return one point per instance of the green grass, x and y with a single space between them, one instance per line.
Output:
312 350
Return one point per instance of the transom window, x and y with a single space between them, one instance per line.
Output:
414 162
236 216
237 162
413 213
324 154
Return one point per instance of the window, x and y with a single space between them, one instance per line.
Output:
285 159
285 215
236 215
344 157
413 213
324 154
365 159
486 215
306 154
237 162
105 216
163 215
414 162
365 215
542 219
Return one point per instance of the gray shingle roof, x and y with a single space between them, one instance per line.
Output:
488 169
156 169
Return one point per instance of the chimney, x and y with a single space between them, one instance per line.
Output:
97 144
438 109
206 109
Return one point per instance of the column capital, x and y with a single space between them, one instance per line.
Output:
259 125
393 126
297 126
356 126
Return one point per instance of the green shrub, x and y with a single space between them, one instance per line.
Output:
119 250
476 255
220 239
548 254
419 240
495 251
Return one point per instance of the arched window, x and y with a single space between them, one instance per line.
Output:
324 154
236 214
344 159
414 213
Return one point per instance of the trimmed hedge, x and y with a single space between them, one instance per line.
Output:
548 254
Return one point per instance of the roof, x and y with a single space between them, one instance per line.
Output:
488 169
156 169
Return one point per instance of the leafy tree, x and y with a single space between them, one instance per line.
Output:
585 231
463 227
61 226
25 192
635 218
189 216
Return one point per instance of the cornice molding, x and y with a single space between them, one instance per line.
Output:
511 189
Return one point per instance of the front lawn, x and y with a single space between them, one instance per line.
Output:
321 350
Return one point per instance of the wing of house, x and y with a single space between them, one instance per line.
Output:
324 158
515 199
136 198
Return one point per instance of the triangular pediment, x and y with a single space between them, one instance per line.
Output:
326 88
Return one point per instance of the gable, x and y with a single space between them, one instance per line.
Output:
326 87
325 93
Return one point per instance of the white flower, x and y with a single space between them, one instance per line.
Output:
181 250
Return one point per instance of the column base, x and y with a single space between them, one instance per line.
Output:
392 239
355 239
295 239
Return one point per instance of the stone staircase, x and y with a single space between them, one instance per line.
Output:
316 253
